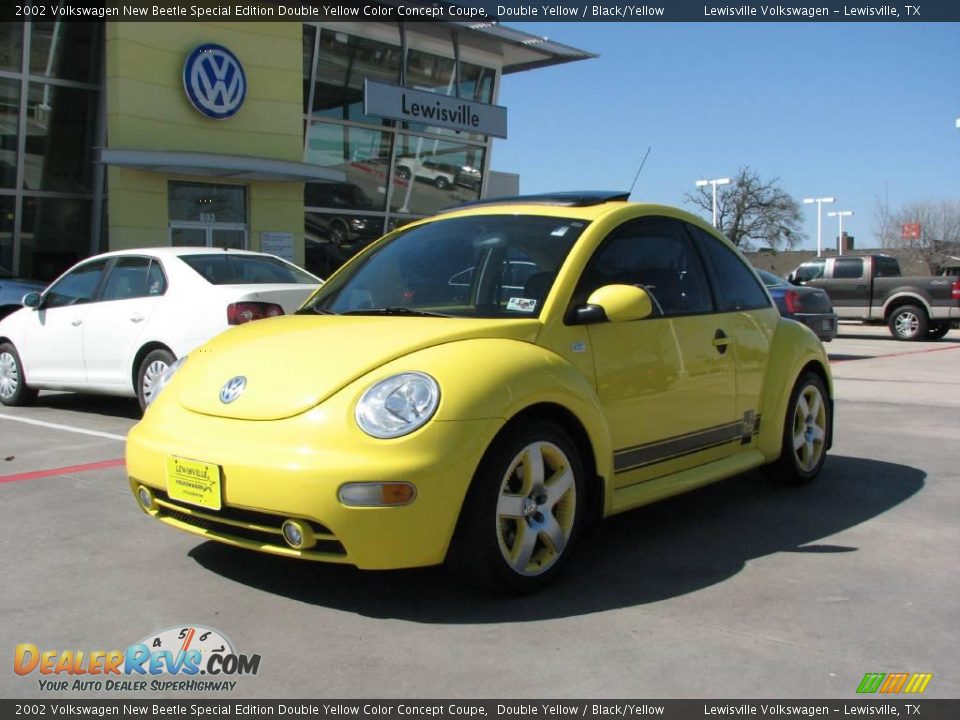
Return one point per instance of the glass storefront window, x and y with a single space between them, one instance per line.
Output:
60 127
476 82
435 174
309 37
207 203
343 62
9 127
54 235
362 154
426 71
66 50
11 45
6 235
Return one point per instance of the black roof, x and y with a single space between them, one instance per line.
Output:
571 198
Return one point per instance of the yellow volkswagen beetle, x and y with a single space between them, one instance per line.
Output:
476 387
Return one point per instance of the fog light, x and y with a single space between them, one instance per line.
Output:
298 534
145 497
376 494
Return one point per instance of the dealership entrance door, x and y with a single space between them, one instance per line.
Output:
194 234
207 215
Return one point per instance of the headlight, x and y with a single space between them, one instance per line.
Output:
398 405
164 378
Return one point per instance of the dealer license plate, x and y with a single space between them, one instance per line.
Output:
194 482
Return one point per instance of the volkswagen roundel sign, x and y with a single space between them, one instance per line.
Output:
214 81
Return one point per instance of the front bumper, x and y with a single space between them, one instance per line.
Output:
293 468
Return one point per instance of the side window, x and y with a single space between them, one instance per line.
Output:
129 278
156 280
737 284
76 287
657 255
887 267
847 268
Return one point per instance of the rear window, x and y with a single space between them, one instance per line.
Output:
246 270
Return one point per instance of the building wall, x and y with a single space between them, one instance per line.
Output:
147 109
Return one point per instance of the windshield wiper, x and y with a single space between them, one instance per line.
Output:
314 311
395 310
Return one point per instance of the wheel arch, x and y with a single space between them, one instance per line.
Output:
568 421
904 298
145 350
795 351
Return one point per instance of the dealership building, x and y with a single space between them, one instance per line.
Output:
289 137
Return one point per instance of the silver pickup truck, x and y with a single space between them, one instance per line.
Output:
870 288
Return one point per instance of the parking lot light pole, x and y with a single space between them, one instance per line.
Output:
714 183
840 215
819 202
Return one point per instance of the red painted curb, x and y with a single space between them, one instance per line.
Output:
899 354
61 471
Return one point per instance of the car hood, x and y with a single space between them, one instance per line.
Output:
294 363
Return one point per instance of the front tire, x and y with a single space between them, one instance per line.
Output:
441 182
151 368
521 517
14 390
908 322
806 432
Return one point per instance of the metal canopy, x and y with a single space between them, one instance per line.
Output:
219 167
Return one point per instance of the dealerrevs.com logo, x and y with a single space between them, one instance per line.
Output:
188 658
894 682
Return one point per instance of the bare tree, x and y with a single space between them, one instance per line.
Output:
751 211
938 223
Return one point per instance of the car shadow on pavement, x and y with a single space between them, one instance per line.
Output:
90 404
661 551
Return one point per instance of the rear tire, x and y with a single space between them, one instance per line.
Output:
441 182
806 432
151 368
522 514
14 390
908 322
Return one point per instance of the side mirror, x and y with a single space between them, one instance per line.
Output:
792 278
31 300
621 303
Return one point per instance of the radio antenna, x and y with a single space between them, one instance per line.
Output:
637 176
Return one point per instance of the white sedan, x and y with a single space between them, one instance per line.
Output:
113 323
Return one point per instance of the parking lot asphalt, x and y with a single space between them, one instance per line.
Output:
741 589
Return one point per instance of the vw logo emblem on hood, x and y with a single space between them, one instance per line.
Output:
232 389
214 81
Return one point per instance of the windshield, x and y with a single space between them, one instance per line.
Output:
479 266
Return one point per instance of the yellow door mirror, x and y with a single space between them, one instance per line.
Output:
622 303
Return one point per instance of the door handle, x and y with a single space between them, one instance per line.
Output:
76 321
136 318
720 341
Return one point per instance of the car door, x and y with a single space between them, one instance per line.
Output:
114 327
666 383
52 351
749 318
848 288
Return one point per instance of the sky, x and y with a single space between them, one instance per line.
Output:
857 111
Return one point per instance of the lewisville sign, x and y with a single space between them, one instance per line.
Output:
429 108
